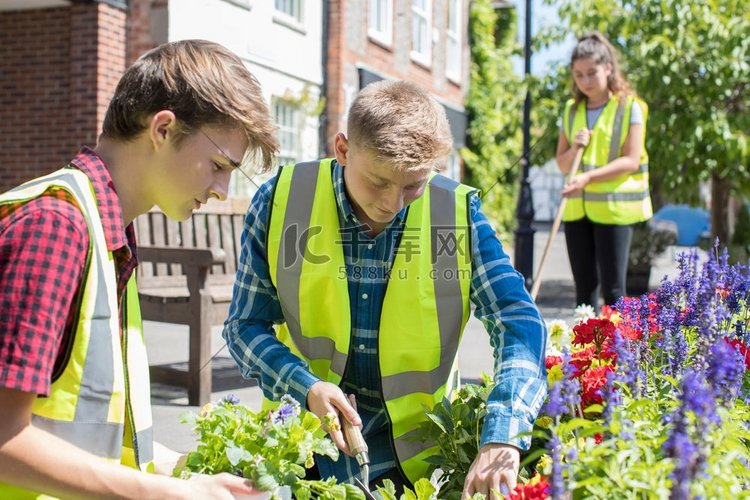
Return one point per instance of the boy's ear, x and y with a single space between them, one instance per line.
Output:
161 126
341 148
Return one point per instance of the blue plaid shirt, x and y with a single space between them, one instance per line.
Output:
516 329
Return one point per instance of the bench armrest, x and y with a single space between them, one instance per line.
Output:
201 257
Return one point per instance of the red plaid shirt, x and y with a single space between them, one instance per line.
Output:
43 246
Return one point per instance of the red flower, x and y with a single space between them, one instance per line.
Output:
584 333
594 330
607 312
608 350
551 361
629 332
742 348
537 491
598 438
581 360
592 381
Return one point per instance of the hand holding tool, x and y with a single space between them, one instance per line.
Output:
555 227
358 448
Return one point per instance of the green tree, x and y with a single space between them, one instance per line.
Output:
690 61
494 106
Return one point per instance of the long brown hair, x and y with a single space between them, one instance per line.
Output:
595 46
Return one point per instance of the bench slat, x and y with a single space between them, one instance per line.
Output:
186 275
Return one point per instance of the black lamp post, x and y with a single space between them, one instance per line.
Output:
524 249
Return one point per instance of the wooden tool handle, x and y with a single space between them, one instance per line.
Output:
354 437
555 227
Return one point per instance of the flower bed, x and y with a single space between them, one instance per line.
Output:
649 400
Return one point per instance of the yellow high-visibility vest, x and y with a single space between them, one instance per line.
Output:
101 401
425 308
622 200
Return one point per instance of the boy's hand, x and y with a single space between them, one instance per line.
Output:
329 403
494 471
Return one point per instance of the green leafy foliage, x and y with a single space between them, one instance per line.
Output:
456 426
423 490
271 447
630 463
494 105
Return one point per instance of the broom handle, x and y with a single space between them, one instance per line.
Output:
555 227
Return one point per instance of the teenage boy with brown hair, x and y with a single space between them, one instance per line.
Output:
366 266
74 389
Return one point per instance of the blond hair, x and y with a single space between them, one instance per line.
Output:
401 123
202 83
596 47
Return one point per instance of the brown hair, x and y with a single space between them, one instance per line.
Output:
202 83
401 123
595 46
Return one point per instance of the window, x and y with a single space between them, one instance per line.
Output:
292 8
453 41
287 118
453 166
421 35
380 21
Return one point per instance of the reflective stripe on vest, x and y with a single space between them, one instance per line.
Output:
625 199
302 244
87 403
421 320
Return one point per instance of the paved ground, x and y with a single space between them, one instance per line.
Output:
167 343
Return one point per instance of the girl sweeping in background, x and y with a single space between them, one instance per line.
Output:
611 191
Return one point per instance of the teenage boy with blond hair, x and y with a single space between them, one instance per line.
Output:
74 389
366 265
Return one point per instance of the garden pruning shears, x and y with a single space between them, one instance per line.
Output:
359 449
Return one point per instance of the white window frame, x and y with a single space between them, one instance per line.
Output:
290 144
453 47
290 13
453 166
383 34
421 55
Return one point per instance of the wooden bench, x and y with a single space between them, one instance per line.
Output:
186 274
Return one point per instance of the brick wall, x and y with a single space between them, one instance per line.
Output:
141 17
349 45
58 70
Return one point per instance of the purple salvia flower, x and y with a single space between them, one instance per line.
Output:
726 368
289 408
555 406
556 481
231 399
612 399
698 397
684 453
688 458
628 369
565 395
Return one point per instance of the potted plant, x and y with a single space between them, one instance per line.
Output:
650 239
